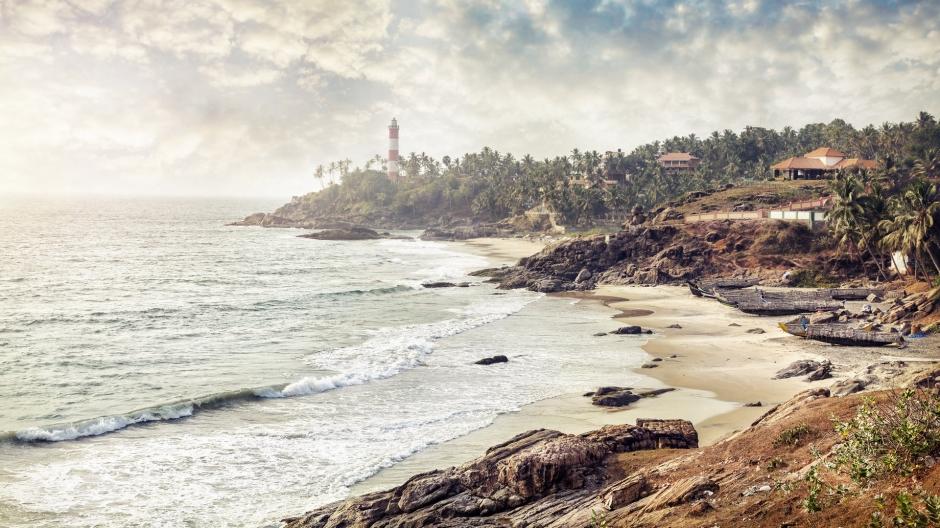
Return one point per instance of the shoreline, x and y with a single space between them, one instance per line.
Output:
717 371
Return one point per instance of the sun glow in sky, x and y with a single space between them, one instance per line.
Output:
246 97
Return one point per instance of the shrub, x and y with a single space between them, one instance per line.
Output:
894 436
792 436
908 513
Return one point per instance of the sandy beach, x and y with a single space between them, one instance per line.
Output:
716 359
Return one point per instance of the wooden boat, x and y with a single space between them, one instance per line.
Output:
699 291
787 307
728 283
854 294
842 335
707 287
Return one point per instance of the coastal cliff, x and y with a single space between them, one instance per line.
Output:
657 253
652 475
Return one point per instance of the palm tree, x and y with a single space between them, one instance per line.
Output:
318 174
915 213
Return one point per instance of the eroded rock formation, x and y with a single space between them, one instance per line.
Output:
533 479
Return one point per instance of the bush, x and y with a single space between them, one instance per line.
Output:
894 436
907 513
792 436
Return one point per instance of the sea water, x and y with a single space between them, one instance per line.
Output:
158 368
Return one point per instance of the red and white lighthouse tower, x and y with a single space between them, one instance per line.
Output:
393 151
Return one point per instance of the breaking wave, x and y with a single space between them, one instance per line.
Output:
380 357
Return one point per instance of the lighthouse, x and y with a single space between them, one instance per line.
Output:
393 151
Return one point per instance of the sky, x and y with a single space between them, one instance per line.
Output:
246 97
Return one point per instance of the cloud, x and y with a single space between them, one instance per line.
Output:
246 96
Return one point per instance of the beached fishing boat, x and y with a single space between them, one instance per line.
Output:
787 307
842 334
699 291
854 294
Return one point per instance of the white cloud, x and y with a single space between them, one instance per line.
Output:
245 96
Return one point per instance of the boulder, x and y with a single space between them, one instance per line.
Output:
350 233
583 276
822 317
756 331
674 325
753 404
492 360
649 365
628 330
615 399
814 370
440 284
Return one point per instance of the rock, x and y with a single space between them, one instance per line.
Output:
873 298
734 324
524 481
673 356
615 399
655 392
625 492
822 317
848 386
600 334
753 404
649 365
583 275
675 325
492 360
628 330
756 489
756 331
681 492
265 220
657 359
351 233
621 396
608 390
823 372
816 370
440 284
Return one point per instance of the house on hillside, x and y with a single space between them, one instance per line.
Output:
678 161
820 163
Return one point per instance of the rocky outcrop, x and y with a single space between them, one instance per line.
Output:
630 330
265 220
813 370
492 360
443 284
638 255
348 233
534 479
622 396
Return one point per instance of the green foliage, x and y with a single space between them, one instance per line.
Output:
910 511
814 486
598 520
792 436
775 463
893 437
489 185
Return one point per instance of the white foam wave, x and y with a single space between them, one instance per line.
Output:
101 425
387 355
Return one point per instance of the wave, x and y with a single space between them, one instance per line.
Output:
380 357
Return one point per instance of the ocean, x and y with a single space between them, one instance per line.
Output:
158 368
